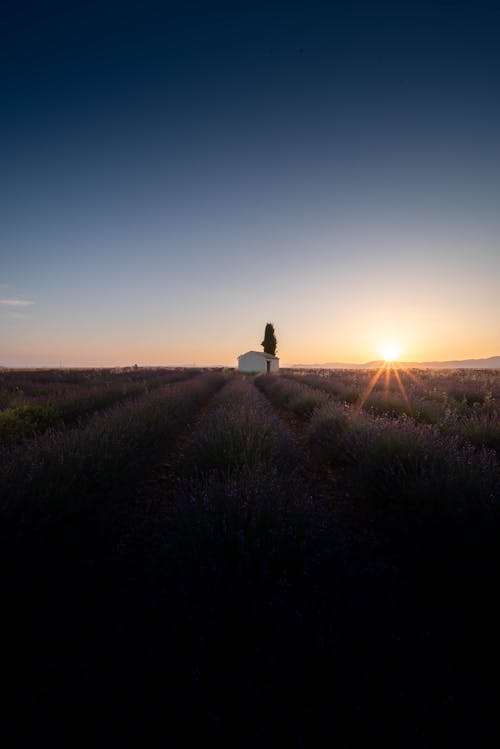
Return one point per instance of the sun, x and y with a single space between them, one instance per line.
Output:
390 352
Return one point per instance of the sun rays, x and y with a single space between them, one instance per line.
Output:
389 369
369 388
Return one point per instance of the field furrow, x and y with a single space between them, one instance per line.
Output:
250 590
400 464
254 560
33 407
429 498
50 472
465 407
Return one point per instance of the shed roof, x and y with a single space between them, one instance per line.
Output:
258 353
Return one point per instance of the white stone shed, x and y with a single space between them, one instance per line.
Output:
258 361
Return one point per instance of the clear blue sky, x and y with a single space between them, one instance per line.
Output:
171 180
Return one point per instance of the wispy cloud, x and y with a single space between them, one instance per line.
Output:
16 302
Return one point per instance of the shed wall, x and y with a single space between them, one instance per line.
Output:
252 363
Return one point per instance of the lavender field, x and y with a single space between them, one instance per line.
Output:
285 559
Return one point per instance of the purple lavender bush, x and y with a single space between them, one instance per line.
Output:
68 463
292 396
31 406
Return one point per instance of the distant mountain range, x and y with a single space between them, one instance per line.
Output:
492 362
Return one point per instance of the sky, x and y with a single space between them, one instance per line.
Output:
175 176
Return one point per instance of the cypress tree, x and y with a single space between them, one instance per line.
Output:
269 343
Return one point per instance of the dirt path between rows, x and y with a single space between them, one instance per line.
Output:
147 497
335 486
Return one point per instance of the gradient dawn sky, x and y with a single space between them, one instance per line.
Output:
175 175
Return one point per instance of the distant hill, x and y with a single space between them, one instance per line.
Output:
492 362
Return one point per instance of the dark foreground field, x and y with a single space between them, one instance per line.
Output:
302 560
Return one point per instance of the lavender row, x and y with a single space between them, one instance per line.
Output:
239 484
62 404
478 424
28 384
395 460
68 463
383 400
295 396
471 385
426 395
262 583
240 431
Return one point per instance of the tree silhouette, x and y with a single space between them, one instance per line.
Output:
269 341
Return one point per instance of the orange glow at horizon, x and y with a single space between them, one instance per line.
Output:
390 352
